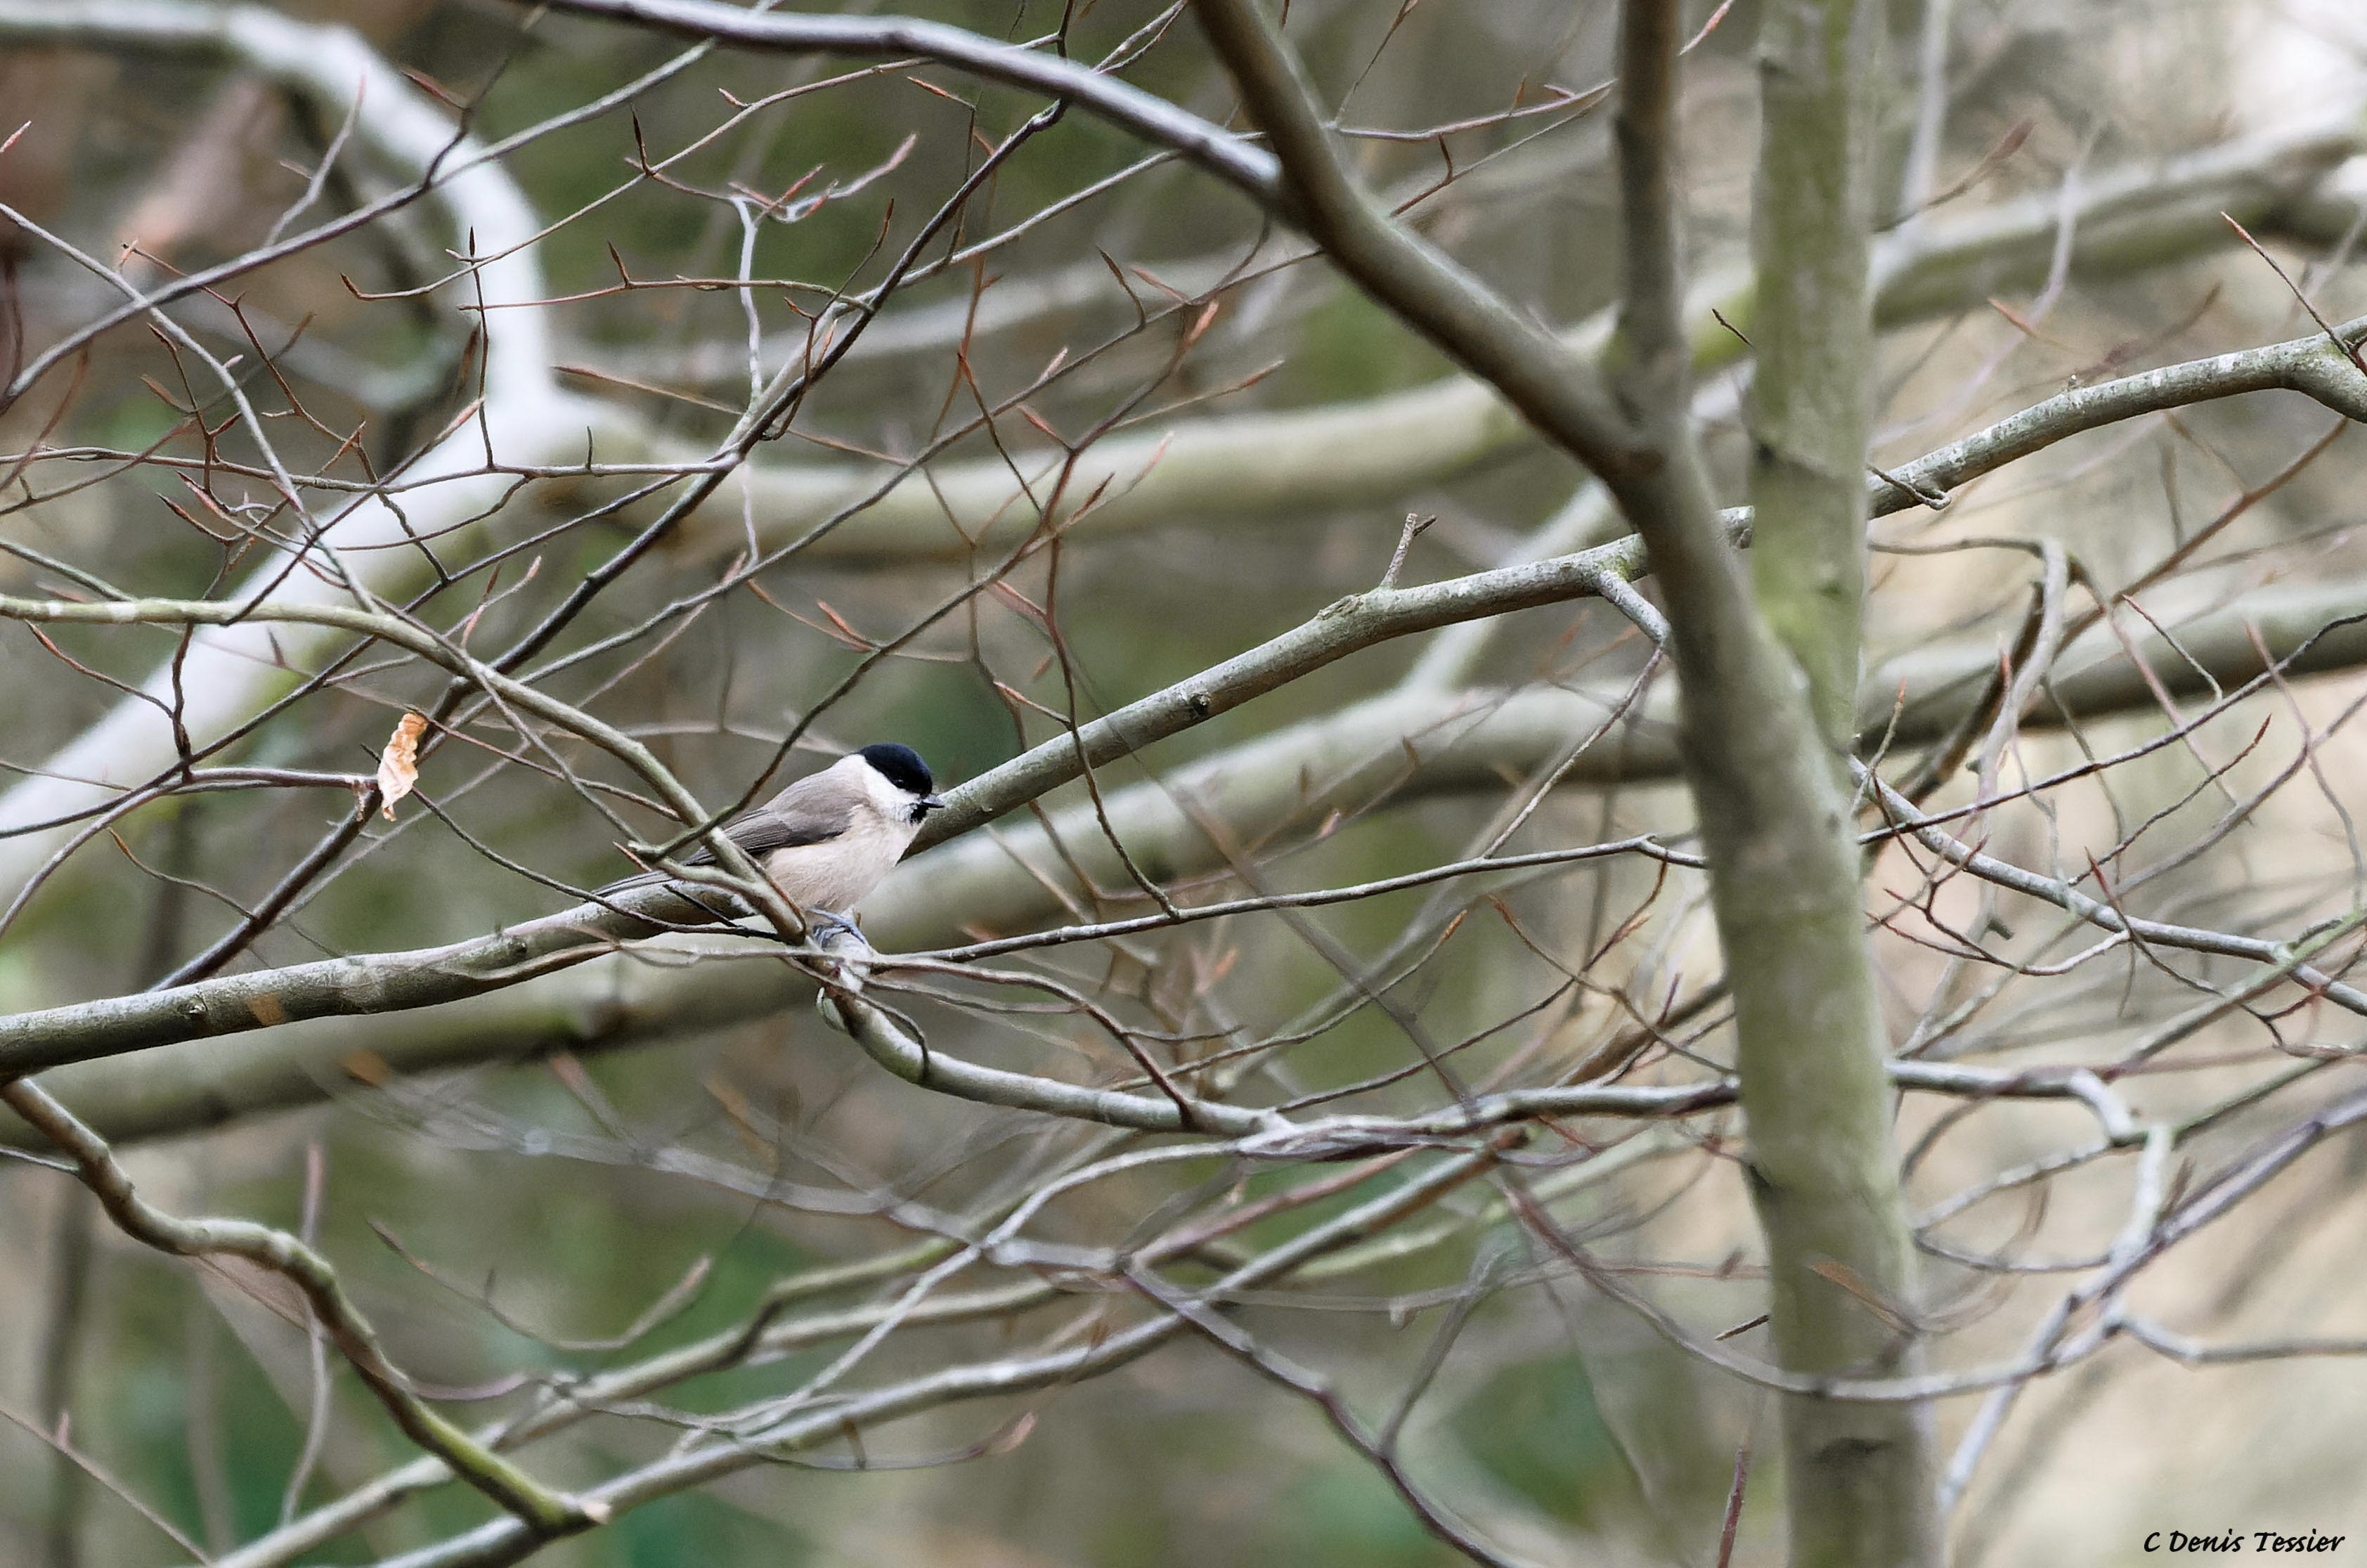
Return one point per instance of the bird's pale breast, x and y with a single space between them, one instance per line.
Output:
837 874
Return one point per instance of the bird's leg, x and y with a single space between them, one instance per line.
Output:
838 936
827 928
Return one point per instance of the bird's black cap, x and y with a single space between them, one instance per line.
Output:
901 765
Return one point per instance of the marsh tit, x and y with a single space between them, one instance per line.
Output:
828 840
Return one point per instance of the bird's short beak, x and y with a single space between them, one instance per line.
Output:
931 803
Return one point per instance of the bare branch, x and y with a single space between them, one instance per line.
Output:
539 1510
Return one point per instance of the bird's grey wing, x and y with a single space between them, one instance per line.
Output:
783 822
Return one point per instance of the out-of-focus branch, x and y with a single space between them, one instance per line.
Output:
2304 178
541 1512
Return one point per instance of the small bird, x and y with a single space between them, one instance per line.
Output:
828 840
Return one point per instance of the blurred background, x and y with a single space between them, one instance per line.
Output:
601 1168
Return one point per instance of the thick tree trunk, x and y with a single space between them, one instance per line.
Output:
1825 1174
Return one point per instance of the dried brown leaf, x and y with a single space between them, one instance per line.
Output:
398 764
